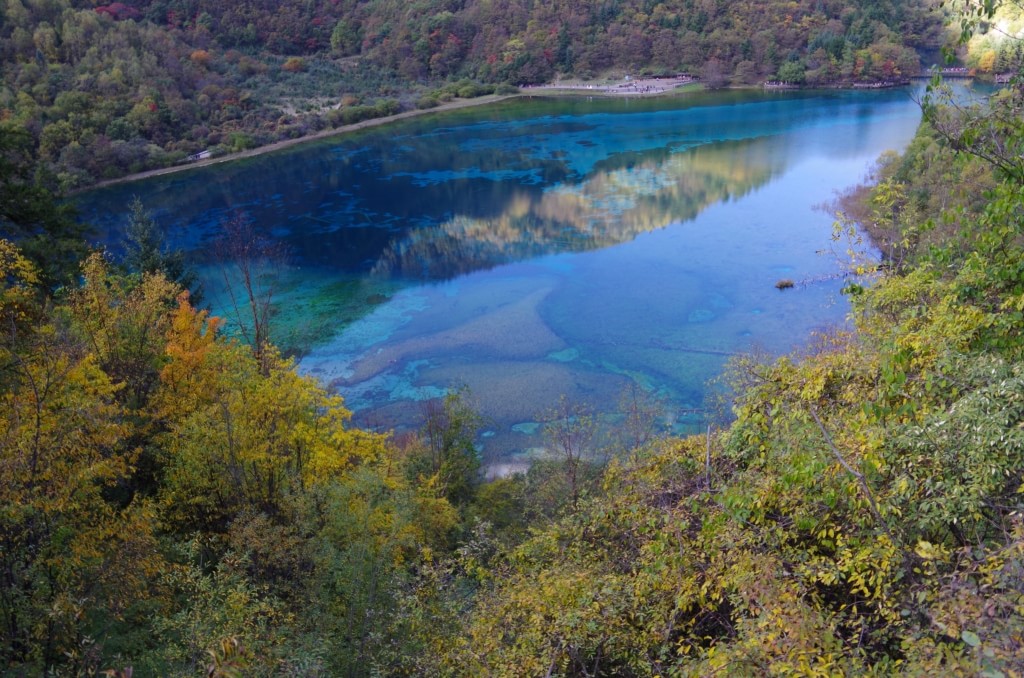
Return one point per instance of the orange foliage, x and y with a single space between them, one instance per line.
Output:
200 57
190 340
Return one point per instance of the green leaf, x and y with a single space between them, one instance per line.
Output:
971 638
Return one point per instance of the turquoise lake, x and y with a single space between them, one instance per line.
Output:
542 247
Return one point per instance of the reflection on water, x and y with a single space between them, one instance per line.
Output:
541 247
610 206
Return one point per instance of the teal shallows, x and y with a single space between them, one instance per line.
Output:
498 247
565 356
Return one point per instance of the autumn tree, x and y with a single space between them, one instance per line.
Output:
244 432
76 561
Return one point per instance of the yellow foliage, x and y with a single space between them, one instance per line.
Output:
186 377
123 322
64 445
243 432
987 61
17 278
61 429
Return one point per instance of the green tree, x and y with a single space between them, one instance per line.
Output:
146 251
569 430
345 38
31 214
793 72
368 529
226 624
446 456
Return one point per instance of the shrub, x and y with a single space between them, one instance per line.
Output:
294 64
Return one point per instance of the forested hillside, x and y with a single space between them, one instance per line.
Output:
106 90
178 502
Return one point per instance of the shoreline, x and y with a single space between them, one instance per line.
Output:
287 143
644 87
572 89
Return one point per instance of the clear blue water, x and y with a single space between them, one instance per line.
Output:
541 247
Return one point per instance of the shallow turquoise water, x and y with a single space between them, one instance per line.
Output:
543 247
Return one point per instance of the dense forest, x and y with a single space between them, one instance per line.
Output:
176 501
107 90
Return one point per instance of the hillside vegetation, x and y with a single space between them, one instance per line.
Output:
114 89
862 514
177 502
183 503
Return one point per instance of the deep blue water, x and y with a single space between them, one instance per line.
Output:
542 247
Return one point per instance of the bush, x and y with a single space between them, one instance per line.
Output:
239 141
354 114
387 107
294 64
470 90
